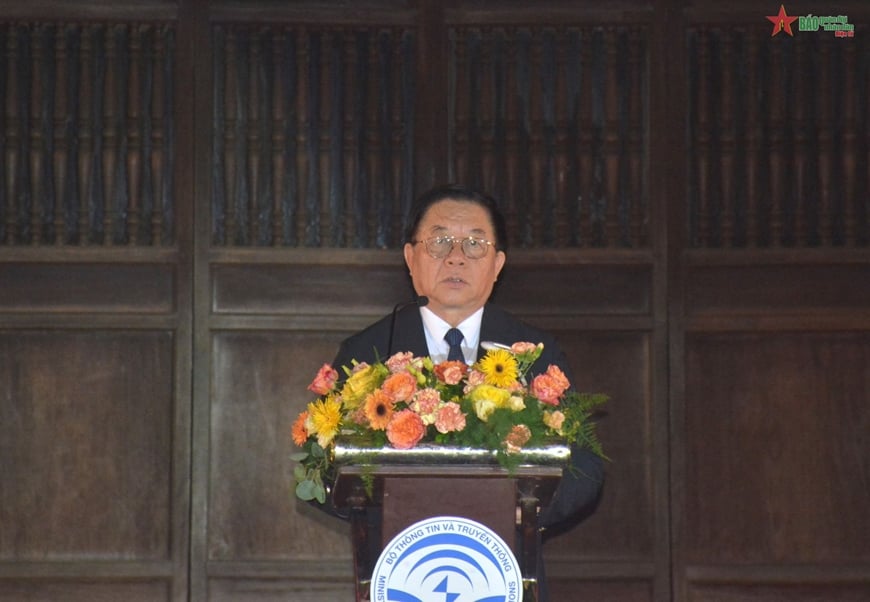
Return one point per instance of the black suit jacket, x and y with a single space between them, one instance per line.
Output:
580 488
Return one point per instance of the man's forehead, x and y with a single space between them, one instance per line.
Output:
447 214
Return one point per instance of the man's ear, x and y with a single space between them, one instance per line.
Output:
408 251
500 259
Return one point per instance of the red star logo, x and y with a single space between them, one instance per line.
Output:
781 22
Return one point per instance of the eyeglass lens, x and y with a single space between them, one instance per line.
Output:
440 246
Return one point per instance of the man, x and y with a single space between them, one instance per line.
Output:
455 251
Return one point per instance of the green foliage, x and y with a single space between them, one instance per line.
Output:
580 410
313 465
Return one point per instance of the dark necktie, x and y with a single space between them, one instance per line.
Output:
454 338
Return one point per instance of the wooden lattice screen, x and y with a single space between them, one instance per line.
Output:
86 135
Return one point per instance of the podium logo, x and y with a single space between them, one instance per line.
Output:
447 559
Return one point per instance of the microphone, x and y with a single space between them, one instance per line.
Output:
420 301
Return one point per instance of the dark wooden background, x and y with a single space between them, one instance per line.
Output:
199 200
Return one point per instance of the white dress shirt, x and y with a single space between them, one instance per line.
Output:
436 328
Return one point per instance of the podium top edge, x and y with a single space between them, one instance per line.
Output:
447 471
430 457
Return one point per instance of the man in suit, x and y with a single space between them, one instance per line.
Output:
455 249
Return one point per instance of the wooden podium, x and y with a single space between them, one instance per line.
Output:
386 494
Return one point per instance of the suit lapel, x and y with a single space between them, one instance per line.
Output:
408 334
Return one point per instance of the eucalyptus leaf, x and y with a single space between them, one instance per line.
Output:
307 491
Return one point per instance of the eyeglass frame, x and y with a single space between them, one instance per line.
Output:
454 239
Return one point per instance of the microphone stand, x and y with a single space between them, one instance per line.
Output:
420 301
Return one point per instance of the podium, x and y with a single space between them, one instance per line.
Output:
387 490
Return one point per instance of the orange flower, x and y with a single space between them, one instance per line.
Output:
518 437
451 372
554 420
551 386
299 432
559 376
405 429
378 409
449 418
400 387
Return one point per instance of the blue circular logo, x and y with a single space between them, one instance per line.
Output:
449 559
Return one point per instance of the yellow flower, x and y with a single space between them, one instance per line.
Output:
500 398
499 366
516 403
324 418
483 408
362 382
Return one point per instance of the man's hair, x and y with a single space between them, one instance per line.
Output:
456 192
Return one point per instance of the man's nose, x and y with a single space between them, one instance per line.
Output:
456 254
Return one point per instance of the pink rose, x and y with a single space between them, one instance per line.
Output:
325 380
449 418
405 429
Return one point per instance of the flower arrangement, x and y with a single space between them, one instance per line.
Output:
408 400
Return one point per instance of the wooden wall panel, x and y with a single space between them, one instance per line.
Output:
569 590
77 591
777 450
87 287
259 382
86 445
622 526
305 288
278 590
777 593
573 289
780 288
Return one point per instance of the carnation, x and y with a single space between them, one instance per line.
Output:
398 362
405 429
400 386
523 348
451 372
449 418
554 420
426 403
547 388
517 438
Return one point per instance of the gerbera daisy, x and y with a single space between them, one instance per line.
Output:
324 418
379 409
499 367
299 432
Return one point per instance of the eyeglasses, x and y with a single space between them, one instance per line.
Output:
440 247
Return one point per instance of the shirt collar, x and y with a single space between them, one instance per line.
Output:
436 328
